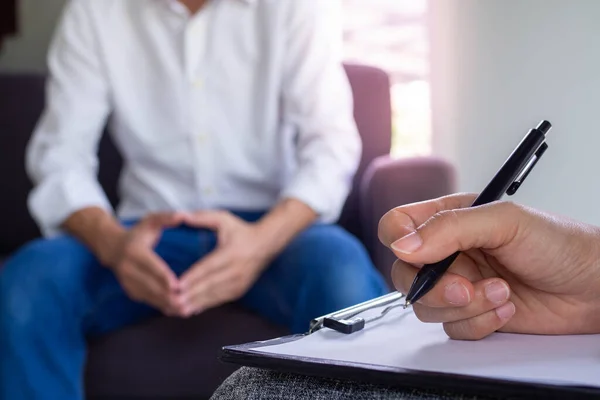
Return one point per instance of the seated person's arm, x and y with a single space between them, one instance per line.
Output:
61 157
62 163
318 100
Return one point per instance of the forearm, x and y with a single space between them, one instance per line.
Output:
284 222
98 230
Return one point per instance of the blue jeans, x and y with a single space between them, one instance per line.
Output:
54 295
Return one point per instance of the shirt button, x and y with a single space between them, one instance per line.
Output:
208 191
201 138
198 83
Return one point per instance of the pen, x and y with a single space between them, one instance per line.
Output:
507 180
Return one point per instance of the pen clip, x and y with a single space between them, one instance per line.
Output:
512 189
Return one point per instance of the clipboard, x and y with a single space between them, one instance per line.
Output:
328 353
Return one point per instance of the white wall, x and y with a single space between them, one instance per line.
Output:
499 67
27 51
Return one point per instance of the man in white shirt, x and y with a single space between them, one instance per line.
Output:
234 118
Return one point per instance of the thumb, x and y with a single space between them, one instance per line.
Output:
489 226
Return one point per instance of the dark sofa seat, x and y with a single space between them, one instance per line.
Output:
171 358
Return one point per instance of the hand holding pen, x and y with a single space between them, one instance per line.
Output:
508 180
517 270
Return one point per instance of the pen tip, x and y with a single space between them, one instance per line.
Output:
407 304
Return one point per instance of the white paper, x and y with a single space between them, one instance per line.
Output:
401 340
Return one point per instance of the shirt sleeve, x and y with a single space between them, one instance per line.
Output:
61 157
318 101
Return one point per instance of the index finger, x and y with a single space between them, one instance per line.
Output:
207 265
165 219
403 220
158 269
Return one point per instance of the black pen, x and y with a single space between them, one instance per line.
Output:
507 180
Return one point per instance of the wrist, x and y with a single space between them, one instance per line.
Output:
280 226
108 242
99 231
270 240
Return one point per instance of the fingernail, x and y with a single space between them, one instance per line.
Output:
457 294
506 311
497 292
409 243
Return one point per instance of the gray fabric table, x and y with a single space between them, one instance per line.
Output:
253 383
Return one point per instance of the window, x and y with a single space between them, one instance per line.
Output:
392 35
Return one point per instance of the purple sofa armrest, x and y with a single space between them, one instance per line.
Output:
388 183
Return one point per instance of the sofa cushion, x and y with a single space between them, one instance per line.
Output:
21 104
171 357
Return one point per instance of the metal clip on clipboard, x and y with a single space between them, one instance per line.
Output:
348 320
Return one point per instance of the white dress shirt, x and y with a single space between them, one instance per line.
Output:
236 107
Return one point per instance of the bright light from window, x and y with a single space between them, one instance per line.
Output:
392 35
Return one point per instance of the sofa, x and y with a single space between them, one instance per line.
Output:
173 358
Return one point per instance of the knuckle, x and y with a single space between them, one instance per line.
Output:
478 334
120 266
468 329
423 313
475 328
130 252
124 271
129 248
448 224
448 218
127 272
456 330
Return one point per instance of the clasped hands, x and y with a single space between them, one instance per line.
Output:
222 276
